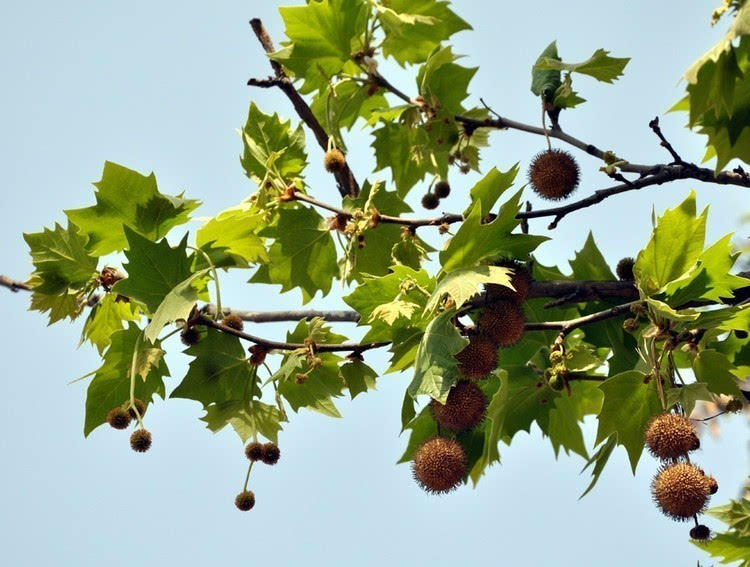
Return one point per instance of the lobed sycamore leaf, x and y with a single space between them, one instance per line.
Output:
125 198
393 310
688 395
600 66
358 376
249 418
599 460
462 285
729 548
717 372
105 318
110 386
490 188
589 263
230 238
442 83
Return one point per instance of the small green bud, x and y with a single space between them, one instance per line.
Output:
555 357
556 382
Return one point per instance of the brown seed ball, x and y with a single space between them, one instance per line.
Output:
478 359
520 280
334 160
439 465
140 440
700 533
670 436
118 418
254 451
463 410
680 491
442 189
503 323
190 336
624 269
430 201
271 453
245 500
139 405
554 174
233 321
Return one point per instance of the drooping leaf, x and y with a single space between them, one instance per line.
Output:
545 82
688 395
359 377
249 418
717 372
599 460
105 318
125 198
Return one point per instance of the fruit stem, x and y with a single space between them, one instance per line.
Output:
133 366
247 478
544 125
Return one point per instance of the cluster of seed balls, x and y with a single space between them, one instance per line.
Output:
680 489
440 463
268 453
120 417
431 199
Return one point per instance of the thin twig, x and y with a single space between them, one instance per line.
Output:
654 125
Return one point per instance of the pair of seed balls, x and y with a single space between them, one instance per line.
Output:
431 200
269 453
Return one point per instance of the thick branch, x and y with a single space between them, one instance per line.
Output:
347 184
566 327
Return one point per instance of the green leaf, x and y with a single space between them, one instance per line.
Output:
324 34
413 29
400 147
462 285
566 417
736 514
422 427
110 386
629 402
475 242
544 83
125 198
442 83
600 66
729 547
271 142
249 418
589 264
62 263
160 278
359 377
599 460
230 238
59 306
688 395
717 372
393 310
219 371
435 369
105 318
675 245
490 188
302 255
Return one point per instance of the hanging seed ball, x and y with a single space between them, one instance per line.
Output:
478 359
439 465
334 160
430 201
442 189
624 269
520 280
670 436
502 322
233 322
139 405
554 174
190 336
245 500
700 533
271 454
463 410
118 418
680 491
254 451
140 440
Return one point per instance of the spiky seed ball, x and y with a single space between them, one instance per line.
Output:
478 359
118 418
254 451
670 436
442 189
700 533
430 201
334 160
140 440
245 500
139 405
554 174
734 405
624 269
271 454
502 322
713 486
233 322
680 491
520 280
439 465
190 336
463 410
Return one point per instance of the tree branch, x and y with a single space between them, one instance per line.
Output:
347 184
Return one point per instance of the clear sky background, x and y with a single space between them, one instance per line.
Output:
161 86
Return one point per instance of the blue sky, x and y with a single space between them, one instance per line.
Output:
161 86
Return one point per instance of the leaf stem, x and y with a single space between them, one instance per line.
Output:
215 275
